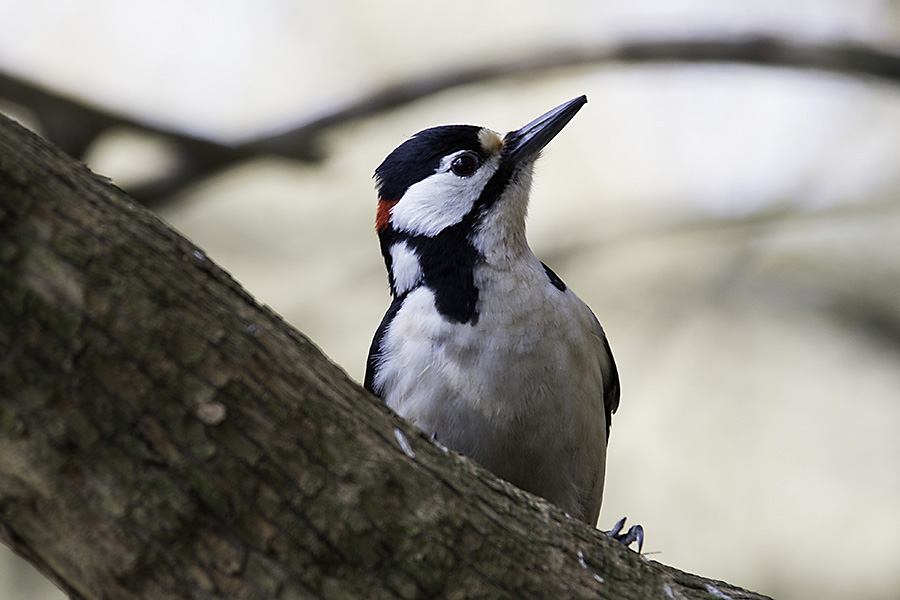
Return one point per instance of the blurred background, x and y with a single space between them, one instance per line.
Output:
736 229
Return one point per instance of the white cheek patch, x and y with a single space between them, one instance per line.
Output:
440 200
405 267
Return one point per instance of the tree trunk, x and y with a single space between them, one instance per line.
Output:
164 436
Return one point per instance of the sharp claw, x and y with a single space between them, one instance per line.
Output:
634 534
616 528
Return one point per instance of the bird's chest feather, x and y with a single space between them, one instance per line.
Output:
486 387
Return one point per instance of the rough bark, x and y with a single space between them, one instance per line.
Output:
164 436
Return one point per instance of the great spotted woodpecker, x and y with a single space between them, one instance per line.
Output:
484 346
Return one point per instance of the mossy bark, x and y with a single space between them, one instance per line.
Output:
162 435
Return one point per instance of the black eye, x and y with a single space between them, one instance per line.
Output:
464 164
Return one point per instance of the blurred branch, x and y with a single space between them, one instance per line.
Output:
75 125
848 59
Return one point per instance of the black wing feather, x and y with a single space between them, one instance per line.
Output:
375 348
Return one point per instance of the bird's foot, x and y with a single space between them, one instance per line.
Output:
434 438
634 534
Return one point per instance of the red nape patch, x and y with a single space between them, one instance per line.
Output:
383 216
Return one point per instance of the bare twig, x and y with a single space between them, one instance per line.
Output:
74 125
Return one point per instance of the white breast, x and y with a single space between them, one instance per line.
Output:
520 391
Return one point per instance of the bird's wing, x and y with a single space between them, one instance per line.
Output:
611 388
375 349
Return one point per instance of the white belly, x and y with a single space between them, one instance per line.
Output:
520 391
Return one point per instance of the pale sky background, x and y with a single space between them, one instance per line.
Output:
757 435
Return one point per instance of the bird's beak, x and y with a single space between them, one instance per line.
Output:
526 142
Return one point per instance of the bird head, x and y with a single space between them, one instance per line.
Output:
453 195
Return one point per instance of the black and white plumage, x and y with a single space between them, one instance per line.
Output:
483 345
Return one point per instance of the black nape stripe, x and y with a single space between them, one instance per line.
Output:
448 269
554 278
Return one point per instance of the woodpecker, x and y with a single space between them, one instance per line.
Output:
483 346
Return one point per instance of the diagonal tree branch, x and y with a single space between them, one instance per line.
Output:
74 125
164 436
